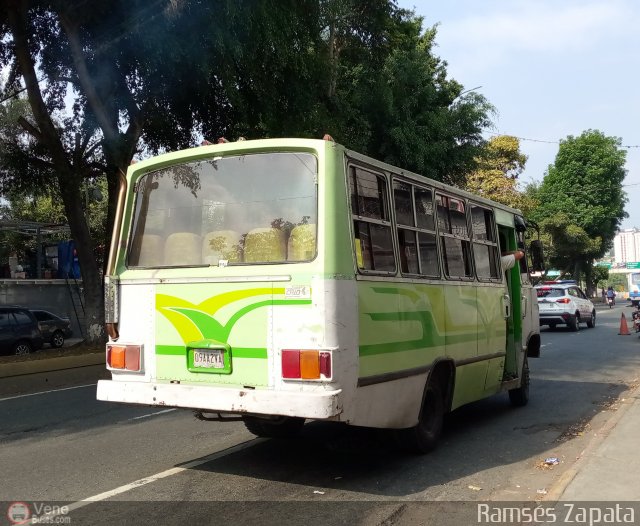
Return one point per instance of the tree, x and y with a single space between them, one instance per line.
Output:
496 176
581 201
599 278
359 69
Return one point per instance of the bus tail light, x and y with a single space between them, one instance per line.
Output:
124 357
306 364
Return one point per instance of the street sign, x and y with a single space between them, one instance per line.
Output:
633 264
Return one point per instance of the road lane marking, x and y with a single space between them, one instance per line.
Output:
46 392
154 478
151 414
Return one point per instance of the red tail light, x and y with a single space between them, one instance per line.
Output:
306 364
563 300
290 364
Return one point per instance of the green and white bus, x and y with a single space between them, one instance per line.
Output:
280 280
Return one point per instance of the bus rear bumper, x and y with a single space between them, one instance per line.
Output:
317 405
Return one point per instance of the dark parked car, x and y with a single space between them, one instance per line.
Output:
19 331
54 328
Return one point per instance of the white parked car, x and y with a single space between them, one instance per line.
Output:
563 302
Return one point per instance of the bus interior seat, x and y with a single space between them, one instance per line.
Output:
302 243
151 251
221 245
264 245
183 248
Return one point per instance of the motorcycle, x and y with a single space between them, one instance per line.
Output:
610 301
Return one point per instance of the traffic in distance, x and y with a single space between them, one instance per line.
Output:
562 302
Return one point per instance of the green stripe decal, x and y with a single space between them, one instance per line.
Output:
430 336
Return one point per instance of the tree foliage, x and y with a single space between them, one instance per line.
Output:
581 200
496 176
150 76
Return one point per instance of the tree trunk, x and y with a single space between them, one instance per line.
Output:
91 277
69 176
588 278
576 272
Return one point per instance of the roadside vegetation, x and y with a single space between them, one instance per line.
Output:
91 87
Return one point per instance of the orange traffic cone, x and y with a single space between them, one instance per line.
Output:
624 330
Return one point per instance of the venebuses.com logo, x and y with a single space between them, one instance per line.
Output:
37 513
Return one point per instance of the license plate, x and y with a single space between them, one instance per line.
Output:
208 358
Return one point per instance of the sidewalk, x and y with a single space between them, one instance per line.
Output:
46 365
40 362
610 469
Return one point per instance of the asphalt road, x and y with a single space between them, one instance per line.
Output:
163 466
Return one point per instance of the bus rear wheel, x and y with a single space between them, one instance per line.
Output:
425 435
280 427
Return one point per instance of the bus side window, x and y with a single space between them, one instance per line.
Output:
416 229
372 225
485 247
456 250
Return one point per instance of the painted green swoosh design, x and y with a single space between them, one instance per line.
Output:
431 337
195 322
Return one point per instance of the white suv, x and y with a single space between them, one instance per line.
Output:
563 302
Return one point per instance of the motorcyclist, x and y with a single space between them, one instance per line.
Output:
611 295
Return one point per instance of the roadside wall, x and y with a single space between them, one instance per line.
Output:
50 294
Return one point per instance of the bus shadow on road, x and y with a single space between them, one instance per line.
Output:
483 435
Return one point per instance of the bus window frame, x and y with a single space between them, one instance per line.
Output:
441 235
499 278
417 229
352 165
132 209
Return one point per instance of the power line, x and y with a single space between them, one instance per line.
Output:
547 141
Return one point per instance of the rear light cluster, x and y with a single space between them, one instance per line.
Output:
124 357
563 300
306 365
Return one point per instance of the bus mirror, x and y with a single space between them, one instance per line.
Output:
537 256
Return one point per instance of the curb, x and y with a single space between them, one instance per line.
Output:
559 487
47 365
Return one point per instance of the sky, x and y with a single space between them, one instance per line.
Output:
551 68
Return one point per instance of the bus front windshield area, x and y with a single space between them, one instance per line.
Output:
233 210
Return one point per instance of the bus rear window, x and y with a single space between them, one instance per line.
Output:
237 210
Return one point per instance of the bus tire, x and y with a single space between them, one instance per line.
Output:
281 427
425 435
519 397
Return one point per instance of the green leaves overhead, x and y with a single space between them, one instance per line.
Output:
581 200
110 80
496 177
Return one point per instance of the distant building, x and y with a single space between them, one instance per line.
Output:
626 246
